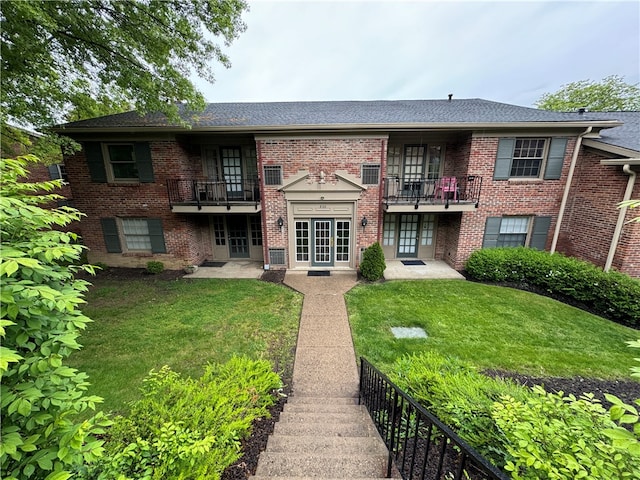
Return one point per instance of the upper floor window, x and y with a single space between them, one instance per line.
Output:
533 157
370 174
415 162
121 162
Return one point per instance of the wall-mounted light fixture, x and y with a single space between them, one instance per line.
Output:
364 222
280 223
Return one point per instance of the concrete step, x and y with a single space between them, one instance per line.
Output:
275 464
359 429
322 407
298 399
311 478
357 416
327 445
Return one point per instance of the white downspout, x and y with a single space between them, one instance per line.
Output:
621 214
567 187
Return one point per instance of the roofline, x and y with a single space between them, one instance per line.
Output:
620 161
343 126
613 149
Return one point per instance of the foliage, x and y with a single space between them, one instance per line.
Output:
631 204
188 428
459 396
91 55
611 94
40 324
552 436
373 265
154 267
613 294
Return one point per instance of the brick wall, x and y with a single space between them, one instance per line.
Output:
320 155
591 215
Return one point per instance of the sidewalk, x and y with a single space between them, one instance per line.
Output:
323 432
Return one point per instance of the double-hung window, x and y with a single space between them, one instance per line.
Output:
516 231
133 235
121 162
530 158
513 231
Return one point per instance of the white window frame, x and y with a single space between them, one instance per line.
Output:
542 159
124 223
507 227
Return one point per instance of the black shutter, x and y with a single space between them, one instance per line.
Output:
502 169
110 233
556 158
95 161
540 232
156 235
143 162
491 232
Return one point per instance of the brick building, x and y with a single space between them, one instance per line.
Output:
309 185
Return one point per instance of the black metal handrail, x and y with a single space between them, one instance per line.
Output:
421 446
213 192
433 191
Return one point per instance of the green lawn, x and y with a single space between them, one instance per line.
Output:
491 327
141 324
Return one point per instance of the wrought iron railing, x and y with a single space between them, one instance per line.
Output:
437 191
213 192
420 445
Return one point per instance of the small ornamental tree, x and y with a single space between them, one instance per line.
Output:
40 323
373 265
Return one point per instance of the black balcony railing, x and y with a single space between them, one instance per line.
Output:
419 444
213 192
437 191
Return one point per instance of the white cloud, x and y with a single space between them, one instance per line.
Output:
504 51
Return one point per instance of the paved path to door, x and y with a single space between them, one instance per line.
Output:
323 432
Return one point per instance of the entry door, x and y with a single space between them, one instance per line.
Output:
322 247
408 236
238 236
232 171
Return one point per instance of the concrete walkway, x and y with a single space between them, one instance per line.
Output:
323 432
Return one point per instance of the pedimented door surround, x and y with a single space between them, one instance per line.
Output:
325 206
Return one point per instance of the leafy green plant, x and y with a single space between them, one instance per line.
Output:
39 325
613 294
373 265
552 436
188 428
154 267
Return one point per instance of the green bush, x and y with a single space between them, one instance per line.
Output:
188 428
155 267
612 294
373 265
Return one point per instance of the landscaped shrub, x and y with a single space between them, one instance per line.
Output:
612 294
529 432
155 267
373 265
188 428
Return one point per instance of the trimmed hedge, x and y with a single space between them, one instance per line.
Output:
612 294
373 265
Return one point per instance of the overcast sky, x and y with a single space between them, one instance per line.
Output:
510 52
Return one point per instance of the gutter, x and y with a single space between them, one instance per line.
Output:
626 168
567 187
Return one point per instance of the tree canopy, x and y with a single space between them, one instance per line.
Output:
611 94
91 57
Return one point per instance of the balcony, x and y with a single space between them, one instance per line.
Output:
451 194
235 195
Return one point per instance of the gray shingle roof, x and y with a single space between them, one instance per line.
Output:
343 113
625 136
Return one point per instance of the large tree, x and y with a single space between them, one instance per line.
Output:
95 56
611 94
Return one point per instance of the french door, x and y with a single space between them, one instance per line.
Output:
232 171
238 236
408 235
322 244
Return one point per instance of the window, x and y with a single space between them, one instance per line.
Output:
516 231
370 174
58 171
121 162
302 241
513 232
342 240
389 230
256 231
529 158
218 230
273 175
136 234
133 235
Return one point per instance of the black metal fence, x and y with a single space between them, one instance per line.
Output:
419 444
438 191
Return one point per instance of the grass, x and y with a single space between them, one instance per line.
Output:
141 325
491 327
